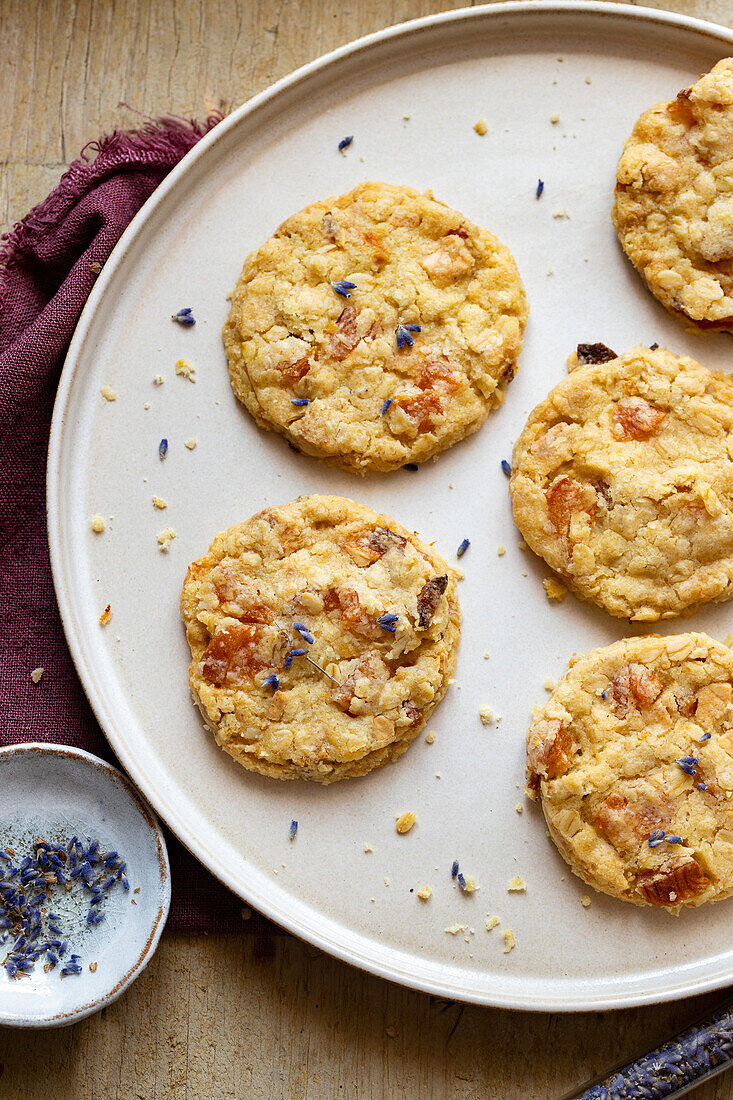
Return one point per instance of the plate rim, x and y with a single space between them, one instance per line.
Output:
149 790
64 1019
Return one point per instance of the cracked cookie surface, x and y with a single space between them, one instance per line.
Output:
622 480
632 760
325 370
673 208
343 586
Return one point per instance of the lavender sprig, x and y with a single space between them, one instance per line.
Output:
404 335
343 287
184 317
388 622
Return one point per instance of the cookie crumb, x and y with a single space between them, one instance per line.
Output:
509 941
550 683
186 369
486 656
501 551
469 885
404 822
554 119
158 380
491 922
386 881
728 640
554 589
430 737
488 715
454 929
165 538
37 674
481 126
368 848
108 393
97 524
424 893
158 502
190 444
93 967
587 80
519 808
516 885
106 615
585 900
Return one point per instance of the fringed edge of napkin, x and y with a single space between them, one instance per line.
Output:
160 142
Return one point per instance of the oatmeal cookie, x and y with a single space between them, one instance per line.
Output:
632 759
376 328
673 208
622 480
322 636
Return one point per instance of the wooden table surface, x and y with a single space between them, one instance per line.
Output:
256 1016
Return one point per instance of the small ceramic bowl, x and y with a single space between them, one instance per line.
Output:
56 792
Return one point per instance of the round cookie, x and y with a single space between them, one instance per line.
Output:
622 480
673 208
322 636
632 759
376 328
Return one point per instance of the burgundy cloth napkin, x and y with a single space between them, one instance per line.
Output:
48 265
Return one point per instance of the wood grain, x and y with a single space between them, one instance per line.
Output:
260 1017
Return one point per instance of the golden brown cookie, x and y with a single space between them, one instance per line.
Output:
622 480
632 759
673 209
322 636
376 328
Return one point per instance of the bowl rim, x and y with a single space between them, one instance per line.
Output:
63 1019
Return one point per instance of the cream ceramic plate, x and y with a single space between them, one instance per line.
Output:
410 96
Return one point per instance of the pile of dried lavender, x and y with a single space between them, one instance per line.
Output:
27 924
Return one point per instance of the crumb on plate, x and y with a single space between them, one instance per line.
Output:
481 127
554 590
404 822
158 502
106 615
509 941
108 393
165 538
97 524
186 369
424 893
516 885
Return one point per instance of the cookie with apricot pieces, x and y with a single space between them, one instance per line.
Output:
622 480
322 635
376 328
673 208
631 758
